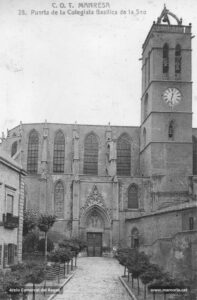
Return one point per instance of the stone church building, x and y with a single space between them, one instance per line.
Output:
113 185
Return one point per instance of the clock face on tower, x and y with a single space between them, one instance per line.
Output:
172 96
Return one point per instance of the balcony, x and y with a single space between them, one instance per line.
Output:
10 221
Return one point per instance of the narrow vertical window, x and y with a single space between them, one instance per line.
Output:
146 106
59 152
165 59
191 223
133 196
14 148
123 156
194 155
171 130
32 156
91 155
9 204
178 59
144 137
59 200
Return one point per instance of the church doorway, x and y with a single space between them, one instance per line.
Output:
94 243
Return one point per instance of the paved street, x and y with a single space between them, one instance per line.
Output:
96 279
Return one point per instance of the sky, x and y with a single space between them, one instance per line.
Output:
67 68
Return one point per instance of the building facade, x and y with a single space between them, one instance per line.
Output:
134 186
11 210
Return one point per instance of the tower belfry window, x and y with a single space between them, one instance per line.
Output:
165 59
178 59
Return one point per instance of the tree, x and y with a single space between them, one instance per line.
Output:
151 272
61 255
122 256
75 245
30 220
41 245
137 263
30 241
35 274
45 222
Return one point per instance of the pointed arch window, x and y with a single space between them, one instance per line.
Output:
14 148
133 196
91 155
134 238
165 59
171 130
32 156
59 152
194 155
123 156
178 59
59 200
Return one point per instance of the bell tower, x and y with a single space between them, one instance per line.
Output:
166 103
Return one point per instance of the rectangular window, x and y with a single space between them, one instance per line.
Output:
5 255
191 223
11 248
9 204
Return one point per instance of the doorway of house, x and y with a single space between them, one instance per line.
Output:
94 243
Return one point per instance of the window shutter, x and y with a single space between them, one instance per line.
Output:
15 253
0 255
5 255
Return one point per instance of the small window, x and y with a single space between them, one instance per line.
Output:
133 196
171 130
165 59
191 223
135 238
14 148
146 106
144 137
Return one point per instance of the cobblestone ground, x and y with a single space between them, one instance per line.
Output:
96 279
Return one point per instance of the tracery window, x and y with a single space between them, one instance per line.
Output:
59 200
59 152
123 156
165 58
14 148
91 155
194 155
133 196
32 156
134 238
178 59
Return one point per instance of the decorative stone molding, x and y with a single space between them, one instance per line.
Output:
95 198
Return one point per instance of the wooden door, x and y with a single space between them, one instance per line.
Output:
94 241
